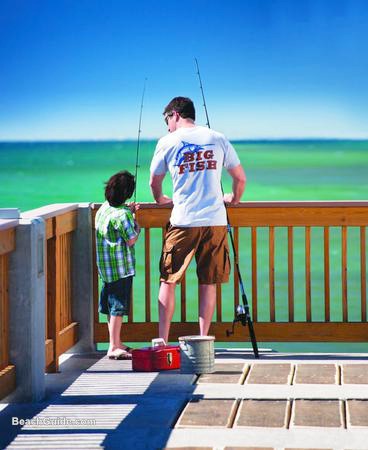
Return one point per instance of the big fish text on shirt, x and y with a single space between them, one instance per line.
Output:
195 161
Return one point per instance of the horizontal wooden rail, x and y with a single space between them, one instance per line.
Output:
314 231
265 332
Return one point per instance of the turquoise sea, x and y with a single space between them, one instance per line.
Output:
35 174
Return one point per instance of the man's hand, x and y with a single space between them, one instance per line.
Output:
164 200
156 188
229 199
239 179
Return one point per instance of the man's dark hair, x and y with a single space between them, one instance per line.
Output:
119 188
183 106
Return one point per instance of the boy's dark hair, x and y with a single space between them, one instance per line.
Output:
119 188
183 106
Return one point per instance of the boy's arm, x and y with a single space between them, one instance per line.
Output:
133 240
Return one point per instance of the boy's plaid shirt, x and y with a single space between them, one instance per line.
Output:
114 226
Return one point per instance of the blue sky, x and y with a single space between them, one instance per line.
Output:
74 69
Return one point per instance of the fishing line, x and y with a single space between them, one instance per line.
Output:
242 314
138 142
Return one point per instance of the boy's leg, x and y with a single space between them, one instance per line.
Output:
166 307
207 303
114 325
119 303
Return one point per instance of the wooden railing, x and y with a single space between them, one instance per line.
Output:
7 245
307 299
61 330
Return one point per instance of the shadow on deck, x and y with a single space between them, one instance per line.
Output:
95 402
279 401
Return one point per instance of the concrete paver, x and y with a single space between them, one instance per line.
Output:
354 374
208 413
317 413
265 374
262 413
357 413
225 373
316 374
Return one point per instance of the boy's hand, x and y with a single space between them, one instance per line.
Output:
133 206
137 227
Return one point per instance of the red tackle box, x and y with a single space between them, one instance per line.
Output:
155 358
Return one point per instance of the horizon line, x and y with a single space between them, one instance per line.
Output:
260 139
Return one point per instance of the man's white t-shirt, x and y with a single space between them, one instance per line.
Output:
194 156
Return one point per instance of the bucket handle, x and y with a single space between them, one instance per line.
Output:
158 342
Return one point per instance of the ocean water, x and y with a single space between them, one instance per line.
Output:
37 174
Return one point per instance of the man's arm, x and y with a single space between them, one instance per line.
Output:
156 188
238 175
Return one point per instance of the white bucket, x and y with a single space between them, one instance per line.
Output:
197 354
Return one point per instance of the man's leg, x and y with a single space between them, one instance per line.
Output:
207 303
166 307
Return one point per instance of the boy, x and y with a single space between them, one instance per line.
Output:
116 234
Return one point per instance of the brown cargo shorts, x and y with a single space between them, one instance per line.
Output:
209 246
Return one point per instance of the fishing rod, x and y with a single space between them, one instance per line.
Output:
242 313
138 142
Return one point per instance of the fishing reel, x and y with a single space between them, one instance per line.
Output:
241 315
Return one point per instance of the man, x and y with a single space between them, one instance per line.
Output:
194 156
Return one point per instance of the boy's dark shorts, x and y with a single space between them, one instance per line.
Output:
115 297
209 246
